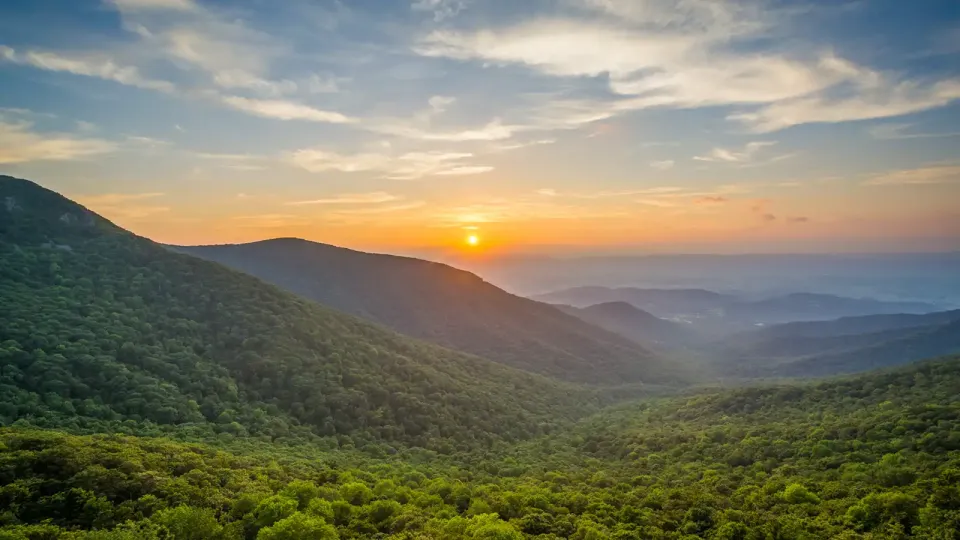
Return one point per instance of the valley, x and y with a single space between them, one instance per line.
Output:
290 389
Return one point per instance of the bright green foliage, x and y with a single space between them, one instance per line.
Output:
299 526
798 494
874 457
188 523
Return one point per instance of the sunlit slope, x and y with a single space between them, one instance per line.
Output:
450 307
100 326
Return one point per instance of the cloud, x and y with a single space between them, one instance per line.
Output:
383 209
323 85
662 165
735 156
798 219
518 145
661 54
235 162
150 5
944 174
493 131
768 217
500 210
658 191
20 144
656 67
439 104
407 166
873 96
375 197
441 9
547 192
235 78
284 110
96 66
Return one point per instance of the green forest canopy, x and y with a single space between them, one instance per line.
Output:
869 457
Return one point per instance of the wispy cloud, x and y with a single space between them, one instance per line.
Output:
95 65
876 96
154 5
659 54
284 110
944 174
407 166
736 156
375 197
498 210
492 131
663 165
19 143
440 9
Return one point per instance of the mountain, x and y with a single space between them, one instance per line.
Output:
101 329
660 302
725 313
634 323
845 345
810 306
447 306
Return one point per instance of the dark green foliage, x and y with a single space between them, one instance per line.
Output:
103 330
447 306
874 457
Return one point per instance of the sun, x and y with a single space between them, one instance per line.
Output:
473 240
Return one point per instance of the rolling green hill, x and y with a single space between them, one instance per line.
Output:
101 329
875 457
450 307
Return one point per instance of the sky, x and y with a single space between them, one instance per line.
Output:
542 126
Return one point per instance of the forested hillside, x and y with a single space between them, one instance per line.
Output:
634 323
447 306
103 330
876 456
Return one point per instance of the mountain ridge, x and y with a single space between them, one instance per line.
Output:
102 328
451 307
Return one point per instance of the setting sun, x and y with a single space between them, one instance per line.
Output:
473 240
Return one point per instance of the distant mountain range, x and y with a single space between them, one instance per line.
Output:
715 312
447 306
845 345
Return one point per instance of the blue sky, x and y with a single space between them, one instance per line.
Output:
555 125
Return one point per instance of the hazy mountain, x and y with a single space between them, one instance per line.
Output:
715 312
100 328
924 277
442 304
840 346
636 324
660 302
